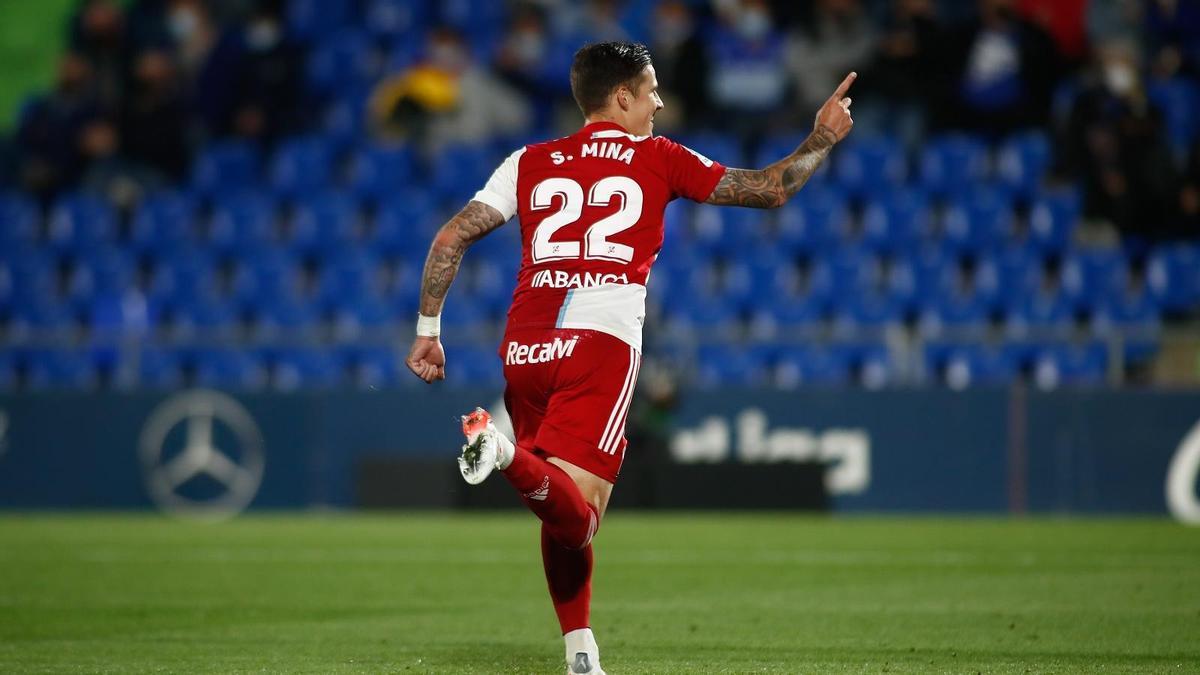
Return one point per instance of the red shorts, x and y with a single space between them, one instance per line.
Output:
568 394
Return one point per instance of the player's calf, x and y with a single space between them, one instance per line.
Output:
546 489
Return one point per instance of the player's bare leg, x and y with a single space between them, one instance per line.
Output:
569 501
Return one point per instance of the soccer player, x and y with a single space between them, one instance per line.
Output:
591 215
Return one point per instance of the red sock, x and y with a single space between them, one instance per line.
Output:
569 576
554 498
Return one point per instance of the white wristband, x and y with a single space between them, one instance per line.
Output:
429 326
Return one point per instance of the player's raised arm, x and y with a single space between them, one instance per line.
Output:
773 186
426 358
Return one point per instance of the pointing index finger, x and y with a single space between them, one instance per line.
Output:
844 86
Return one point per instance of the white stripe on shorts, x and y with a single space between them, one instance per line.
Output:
616 411
620 428
617 426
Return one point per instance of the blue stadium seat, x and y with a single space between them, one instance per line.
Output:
376 368
1173 274
951 164
760 277
1053 219
934 272
866 314
501 245
978 220
460 171
206 318
405 225
183 278
1022 163
309 19
493 280
462 315
813 366
722 365
1046 312
159 369
1008 275
46 320
687 273
377 170
342 62
393 20
813 223
229 369
353 274
1178 99
851 271
789 317
225 166
164 223
265 279
9 375
870 165
1071 365
709 232
80 222
701 314
1091 276
475 367
243 223
360 317
19 221
61 369
324 224
301 166
286 318
32 279
872 365
959 366
894 220
955 314
718 147
306 368
105 271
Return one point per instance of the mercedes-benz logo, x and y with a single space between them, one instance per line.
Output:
221 448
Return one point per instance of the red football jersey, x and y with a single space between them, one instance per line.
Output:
591 212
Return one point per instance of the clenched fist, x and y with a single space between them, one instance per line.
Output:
834 116
427 359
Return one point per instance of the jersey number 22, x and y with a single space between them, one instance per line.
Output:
596 245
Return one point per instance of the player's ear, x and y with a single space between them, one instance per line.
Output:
624 96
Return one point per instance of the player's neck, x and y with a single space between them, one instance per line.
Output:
604 117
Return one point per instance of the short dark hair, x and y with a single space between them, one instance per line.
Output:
600 68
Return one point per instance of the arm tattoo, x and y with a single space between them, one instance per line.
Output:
467 227
774 185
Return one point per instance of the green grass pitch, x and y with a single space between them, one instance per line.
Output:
674 593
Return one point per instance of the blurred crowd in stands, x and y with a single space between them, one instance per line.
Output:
144 84
241 193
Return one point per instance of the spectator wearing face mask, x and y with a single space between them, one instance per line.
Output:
747 80
1116 141
1003 72
269 79
209 61
447 98
532 60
